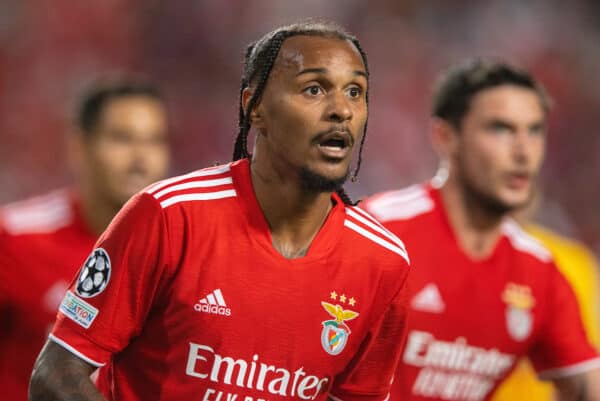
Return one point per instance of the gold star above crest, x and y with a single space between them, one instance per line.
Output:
333 295
352 301
343 298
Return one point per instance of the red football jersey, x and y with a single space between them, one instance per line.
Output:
185 298
470 320
42 244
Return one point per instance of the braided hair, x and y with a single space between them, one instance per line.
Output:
258 63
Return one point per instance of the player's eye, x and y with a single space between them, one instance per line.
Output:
313 90
354 92
537 129
498 127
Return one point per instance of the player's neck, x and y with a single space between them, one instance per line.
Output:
477 230
294 215
97 212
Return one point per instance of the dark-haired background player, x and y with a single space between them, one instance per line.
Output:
485 293
252 280
120 147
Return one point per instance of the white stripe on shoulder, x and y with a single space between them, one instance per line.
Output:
524 242
400 205
43 214
370 222
402 195
366 214
200 173
229 193
377 239
74 351
193 184
571 370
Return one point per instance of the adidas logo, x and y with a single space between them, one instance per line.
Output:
428 299
213 303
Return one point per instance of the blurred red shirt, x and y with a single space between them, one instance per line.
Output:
471 320
43 242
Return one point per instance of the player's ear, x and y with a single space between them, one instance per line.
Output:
444 138
255 114
246 96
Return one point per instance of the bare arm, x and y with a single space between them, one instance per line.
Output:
581 387
59 375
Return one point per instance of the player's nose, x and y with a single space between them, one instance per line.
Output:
523 145
338 107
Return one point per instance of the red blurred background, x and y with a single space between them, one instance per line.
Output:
50 49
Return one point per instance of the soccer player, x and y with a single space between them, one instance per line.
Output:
119 148
578 264
484 292
254 280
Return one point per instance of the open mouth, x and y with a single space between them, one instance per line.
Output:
338 143
334 144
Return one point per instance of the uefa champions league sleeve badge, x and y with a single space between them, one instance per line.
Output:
94 275
335 333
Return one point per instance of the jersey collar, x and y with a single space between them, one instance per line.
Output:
258 228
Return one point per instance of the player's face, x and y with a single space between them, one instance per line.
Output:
500 146
314 109
129 148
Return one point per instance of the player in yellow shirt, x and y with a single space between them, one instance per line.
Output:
578 265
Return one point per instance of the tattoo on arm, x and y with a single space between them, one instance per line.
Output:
59 375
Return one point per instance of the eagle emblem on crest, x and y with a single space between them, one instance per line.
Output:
519 301
334 335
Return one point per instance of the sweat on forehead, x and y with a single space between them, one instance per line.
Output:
301 51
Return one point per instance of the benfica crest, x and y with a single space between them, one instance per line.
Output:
519 317
334 335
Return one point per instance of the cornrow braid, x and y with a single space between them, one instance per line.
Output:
240 142
341 192
258 62
267 60
354 176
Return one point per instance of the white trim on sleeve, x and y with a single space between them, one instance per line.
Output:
74 351
570 370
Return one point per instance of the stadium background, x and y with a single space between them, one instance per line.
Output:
50 49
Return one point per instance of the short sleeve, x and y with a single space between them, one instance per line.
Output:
563 348
370 373
110 298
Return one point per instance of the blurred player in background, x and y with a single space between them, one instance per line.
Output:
120 147
255 280
484 293
579 266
